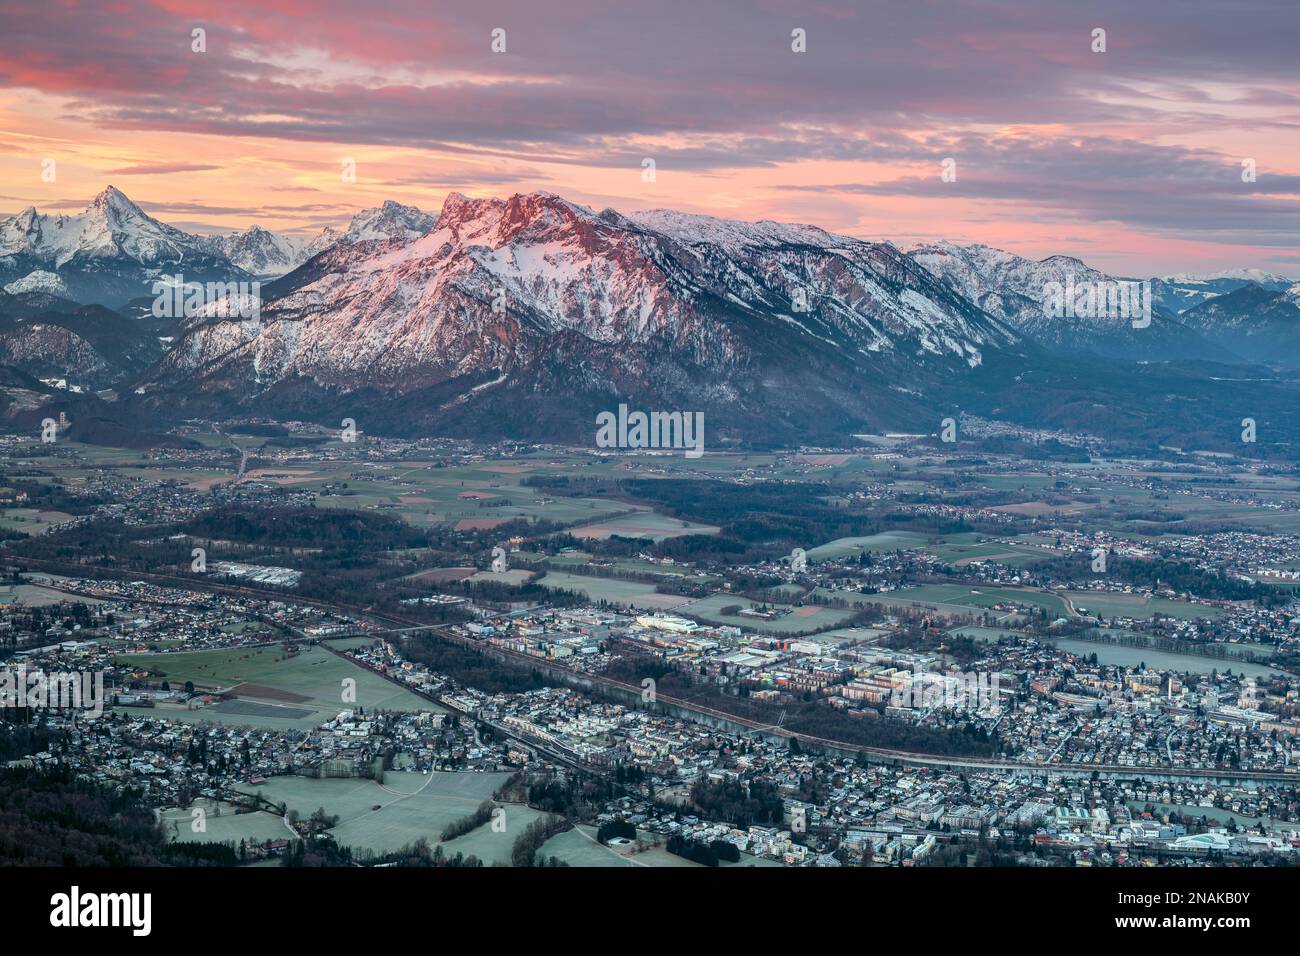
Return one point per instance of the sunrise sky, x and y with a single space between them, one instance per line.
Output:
1130 159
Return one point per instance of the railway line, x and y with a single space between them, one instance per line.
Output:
398 624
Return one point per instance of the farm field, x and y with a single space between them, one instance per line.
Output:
978 633
567 561
298 692
1012 555
223 824
1124 656
579 847
641 524
833 467
1038 509
800 620
577 560
635 594
33 595
409 805
31 521
1277 522
644 465
482 495
492 846
886 541
954 548
1142 606
81 462
955 598
514 577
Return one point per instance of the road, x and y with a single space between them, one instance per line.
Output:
398 624
243 453
555 755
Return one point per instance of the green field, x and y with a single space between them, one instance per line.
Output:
641 524
575 561
955 598
579 847
296 692
494 846
1109 604
886 541
1013 555
479 495
1122 655
223 824
634 594
406 807
953 548
800 620
33 595
31 521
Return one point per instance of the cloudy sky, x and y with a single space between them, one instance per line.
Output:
1130 159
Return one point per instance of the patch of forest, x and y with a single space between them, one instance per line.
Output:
48 817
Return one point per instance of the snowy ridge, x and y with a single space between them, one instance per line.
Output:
47 283
113 249
261 252
268 254
1245 275
405 313
111 226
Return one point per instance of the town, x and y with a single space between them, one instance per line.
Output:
533 655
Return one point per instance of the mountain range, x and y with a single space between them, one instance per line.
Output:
533 313
524 317
267 255
111 253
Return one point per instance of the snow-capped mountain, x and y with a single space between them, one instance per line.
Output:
261 252
109 254
1255 322
531 313
867 291
40 281
1035 296
113 251
1258 276
392 220
1178 293
112 225
327 238
524 317
267 255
